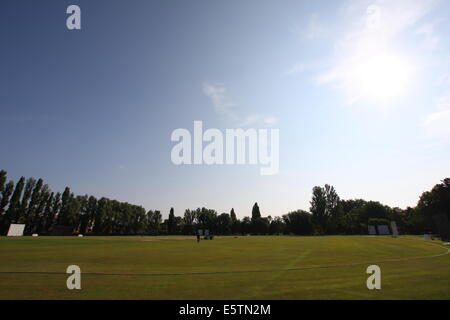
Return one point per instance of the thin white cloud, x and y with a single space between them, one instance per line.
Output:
426 29
444 79
314 29
328 77
303 67
224 106
296 68
257 119
437 124
217 94
372 29
431 39
443 102
270 120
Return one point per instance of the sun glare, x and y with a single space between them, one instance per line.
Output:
382 77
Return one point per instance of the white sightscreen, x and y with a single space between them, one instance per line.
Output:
383 229
372 230
16 230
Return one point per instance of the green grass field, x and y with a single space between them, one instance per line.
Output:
140 267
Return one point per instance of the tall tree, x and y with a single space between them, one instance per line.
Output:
38 213
260 225
46 219
55 207
189 217
14 204
5 195
255 212
224 224
207 219
326 210
23 208
334 210
72 212
233 216
32 215
64 210
435 205
234 222
171 224
154 219
83 217
189 221
318 209
277 226
101 215
298 222
91 209
246 225
436 201
3 174
35 197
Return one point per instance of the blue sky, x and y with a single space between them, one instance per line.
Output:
360 91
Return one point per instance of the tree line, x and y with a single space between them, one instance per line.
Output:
31 202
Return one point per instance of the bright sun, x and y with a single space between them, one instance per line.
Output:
381 77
